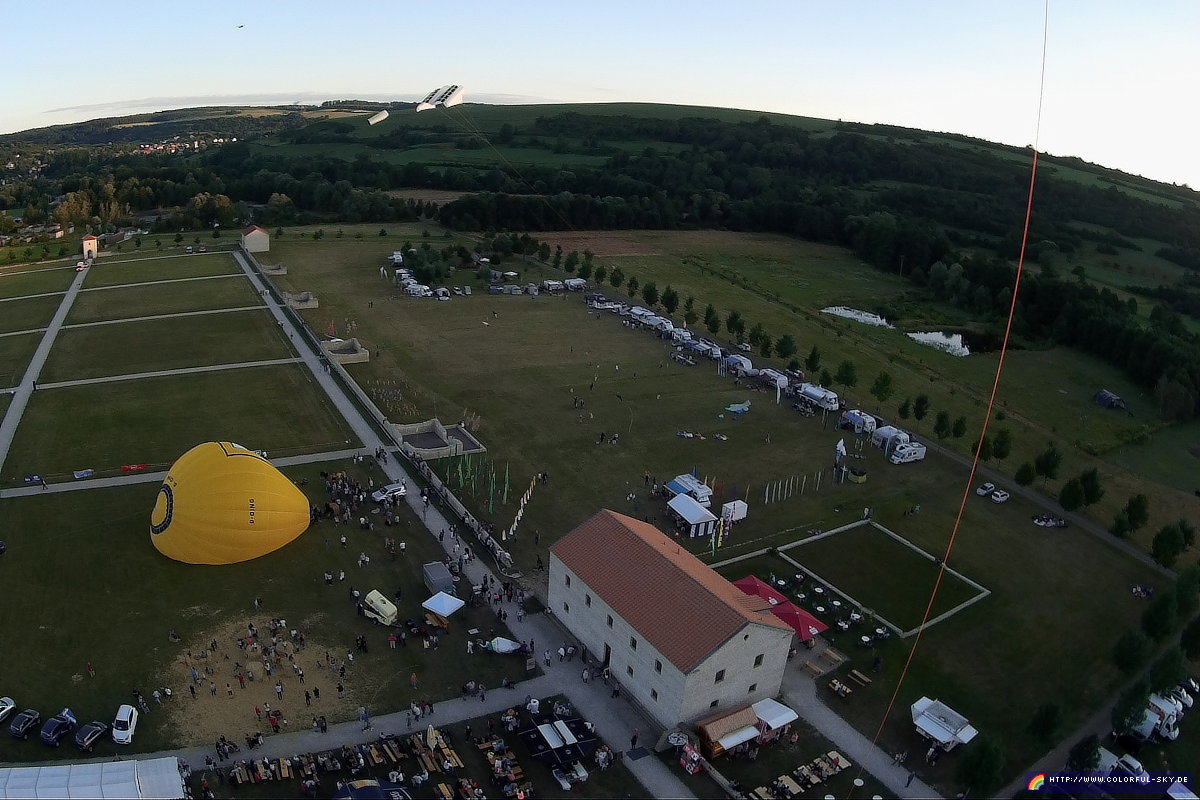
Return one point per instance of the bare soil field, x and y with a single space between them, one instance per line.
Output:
426 195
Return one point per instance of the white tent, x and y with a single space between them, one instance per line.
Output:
443 604
156 779
772 714
698 519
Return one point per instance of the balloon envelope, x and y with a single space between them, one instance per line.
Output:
221 504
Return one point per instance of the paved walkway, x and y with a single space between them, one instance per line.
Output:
165 372
800 691
16 408
164 316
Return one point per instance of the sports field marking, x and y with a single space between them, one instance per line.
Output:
153 283
159 316
31 330
32 296
163 372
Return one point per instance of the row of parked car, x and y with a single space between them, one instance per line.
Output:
55 729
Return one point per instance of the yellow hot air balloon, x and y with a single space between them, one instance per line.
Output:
222 503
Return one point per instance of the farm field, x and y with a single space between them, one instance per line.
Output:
535 355
117 599
155 420
140 346
171 298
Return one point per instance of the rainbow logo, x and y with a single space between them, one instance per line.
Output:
1037 782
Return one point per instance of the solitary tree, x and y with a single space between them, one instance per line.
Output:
689 312
735 325
1085 755
882 389
812 362
601 272
1070 497
981 767
1025 474
941 426
179 236
1002 445
631 286
984 447
785 346
1089 481
711 320
765 345
959 429
572 261
650 294
756 334
1159 617
616 277
1047 463
1127 713
847 374
1044 724
905 409
585 272
1130 650
1120 525
670 299
920 407
826 378
1167 545
1138 511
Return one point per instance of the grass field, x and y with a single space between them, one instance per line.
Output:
27 280
27 313
996 660
111 599
132 347
155 420
882 574
15 352
159 268
170 298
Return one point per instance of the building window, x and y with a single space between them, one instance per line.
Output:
657 666
720 675
632 643
758 659
587 601
753 688
713 704
567 608
567 578
629 671
654 694
610 620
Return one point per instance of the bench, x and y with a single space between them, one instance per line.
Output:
858 677
393 751
285 770
374 756
813 668
444 791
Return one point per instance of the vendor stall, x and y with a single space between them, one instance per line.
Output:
694 520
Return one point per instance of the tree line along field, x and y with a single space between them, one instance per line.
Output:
532 353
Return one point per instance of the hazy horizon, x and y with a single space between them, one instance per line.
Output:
1117 77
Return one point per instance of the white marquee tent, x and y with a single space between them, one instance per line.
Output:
156 778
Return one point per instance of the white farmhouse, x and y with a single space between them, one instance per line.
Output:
681 640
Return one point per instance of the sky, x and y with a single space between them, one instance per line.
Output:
1121 78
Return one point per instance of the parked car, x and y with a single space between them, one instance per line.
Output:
986 489
87 735
7 706
389 492
202 249
124 724
23 723
744 347
1128 765
57 727
1000 496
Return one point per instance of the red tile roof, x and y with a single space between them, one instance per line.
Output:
252 229
89 237
678 604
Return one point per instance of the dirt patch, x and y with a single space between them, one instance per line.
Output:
602 243
425 195
225 706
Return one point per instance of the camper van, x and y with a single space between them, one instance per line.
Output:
772 378
889 437
442 293
553 287
857 421
378 608
819 396
575 284
905 453
418 290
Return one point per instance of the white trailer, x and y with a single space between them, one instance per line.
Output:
575 284
905 453
738 365
858 421
819 396
773 378
552 286
734 511
681 335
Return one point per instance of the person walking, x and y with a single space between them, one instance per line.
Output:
279 690
911 777
633 740
587 674
90 670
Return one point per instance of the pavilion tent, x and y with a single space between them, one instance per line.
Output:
773 714
443 604
803 623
